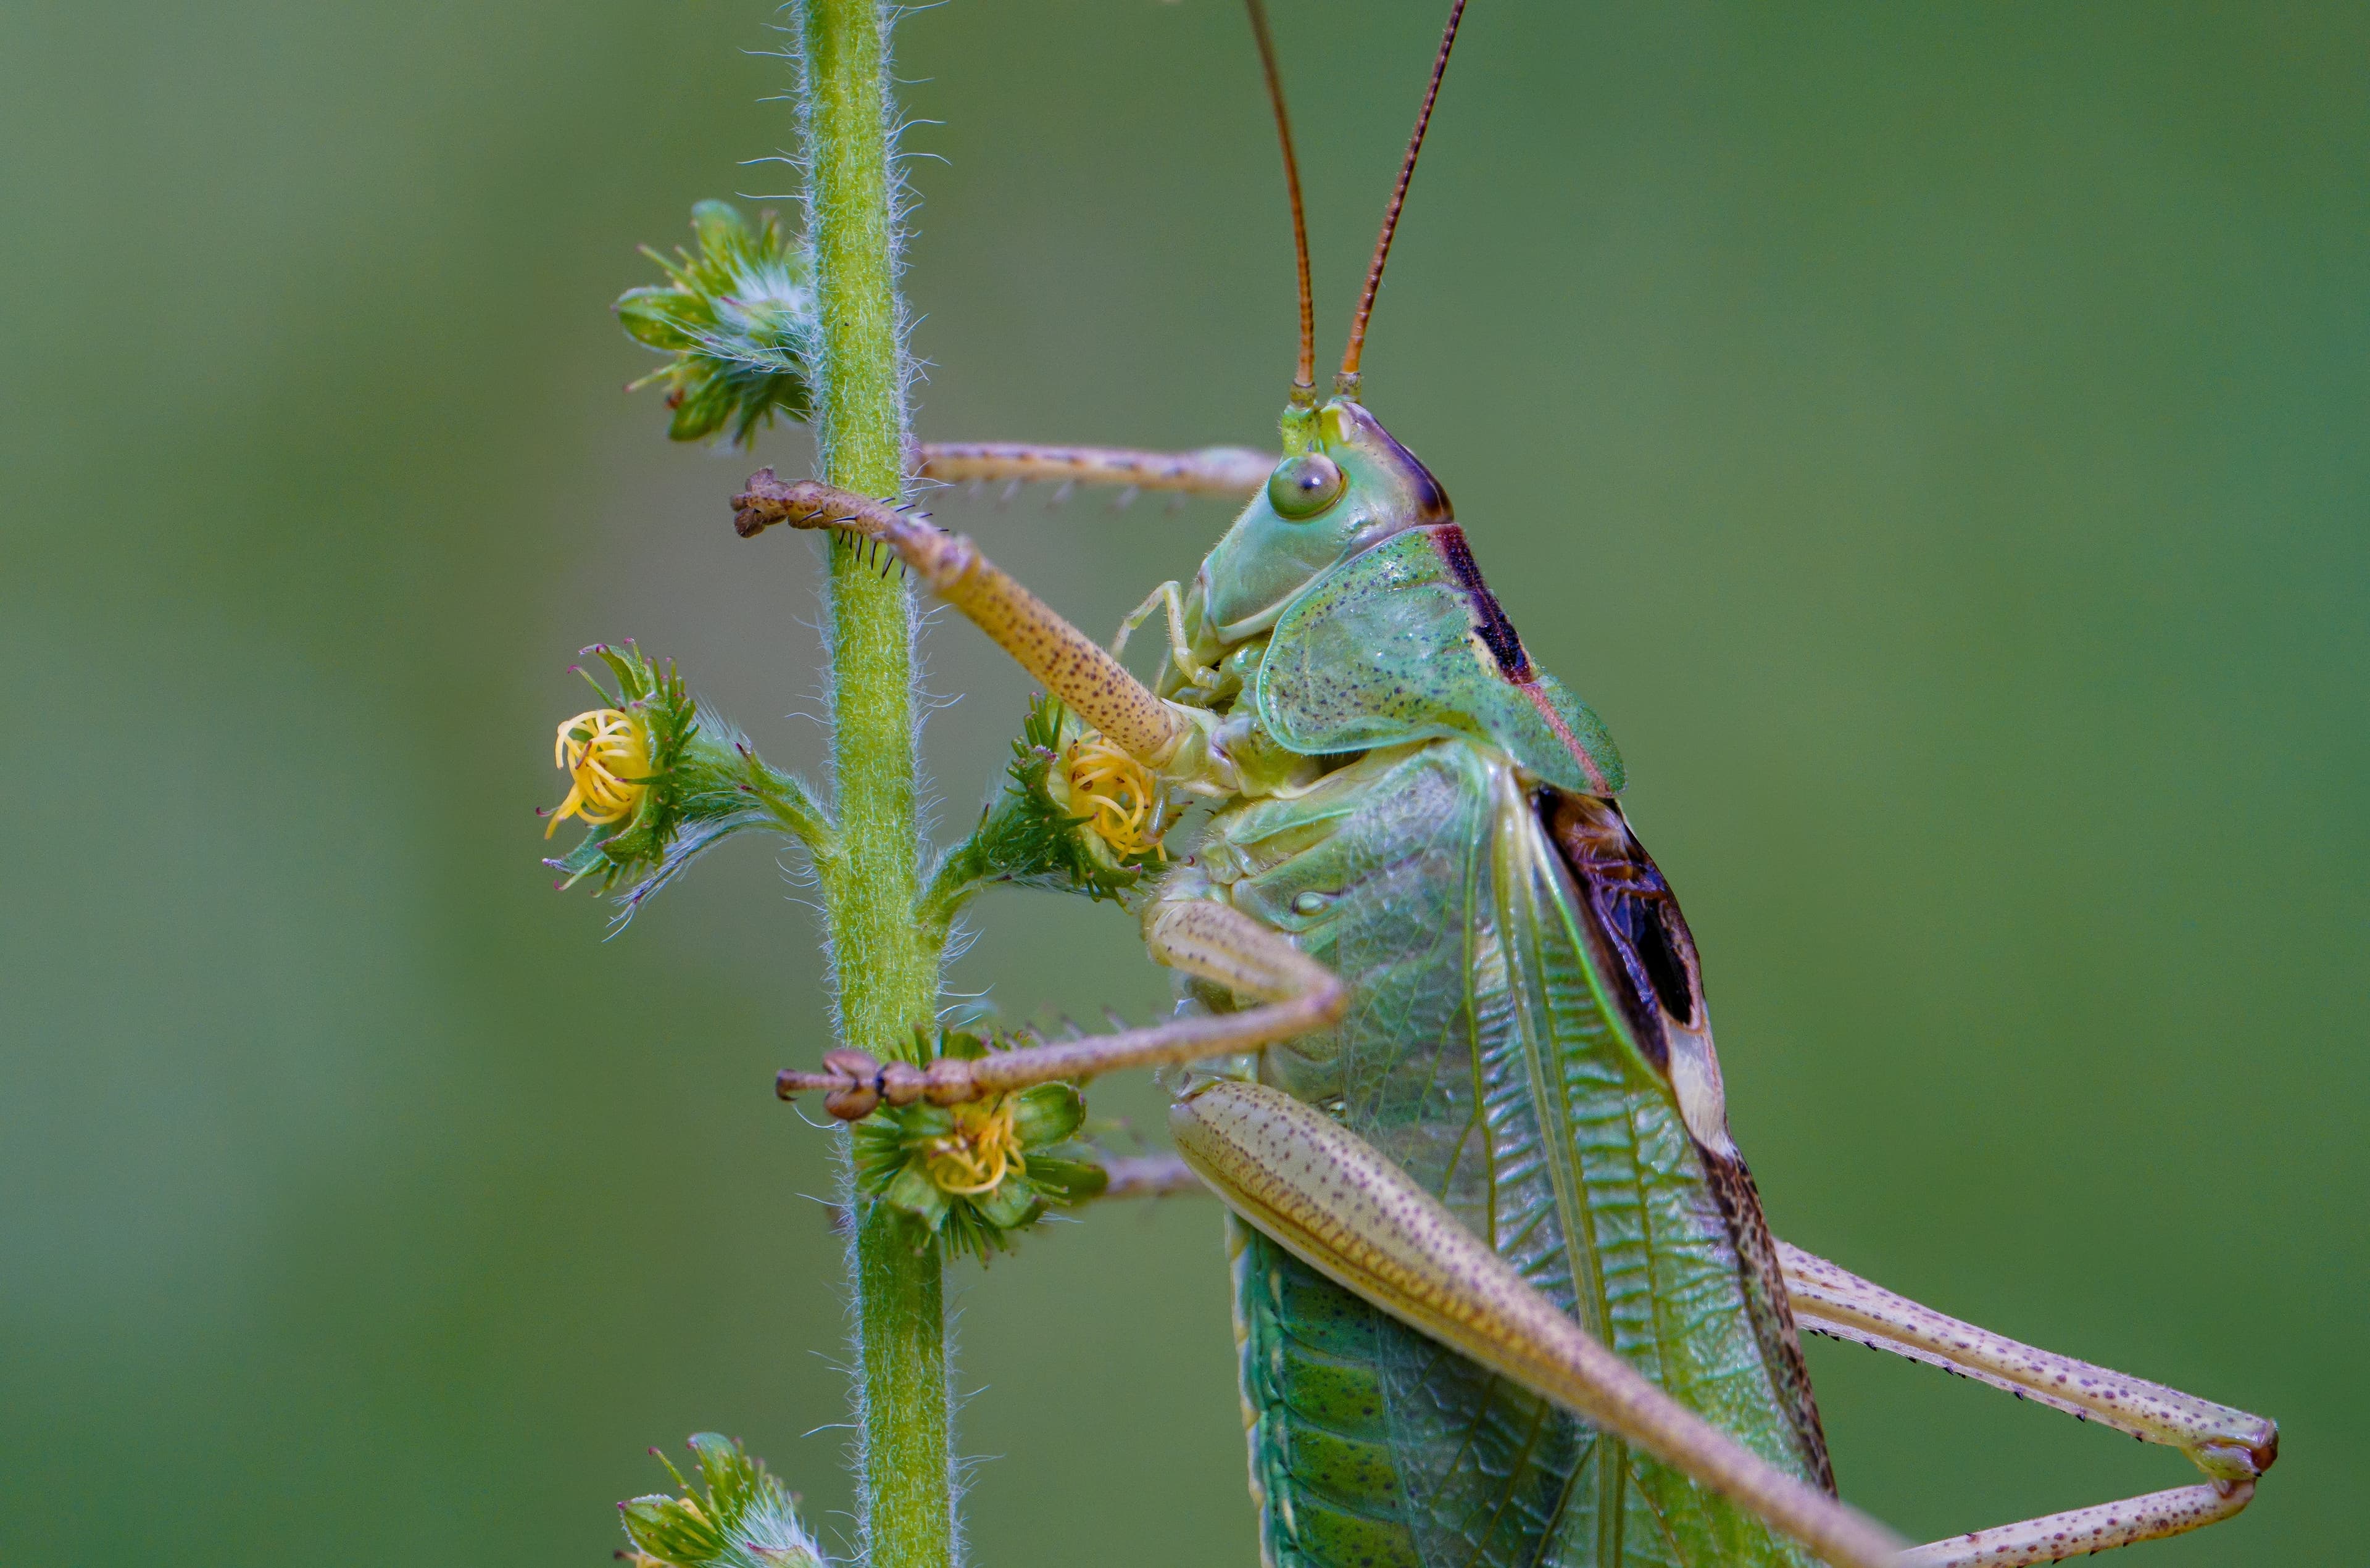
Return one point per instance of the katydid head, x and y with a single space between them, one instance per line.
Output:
1344 484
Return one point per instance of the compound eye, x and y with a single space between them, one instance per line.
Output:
1304 485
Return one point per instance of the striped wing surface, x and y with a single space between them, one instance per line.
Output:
1529 1038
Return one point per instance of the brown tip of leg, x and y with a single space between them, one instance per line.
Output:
2242 1457
850 1083
853 1104
762 503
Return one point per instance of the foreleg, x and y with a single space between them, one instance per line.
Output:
1294 993
2231 1445
1226 471
1073 666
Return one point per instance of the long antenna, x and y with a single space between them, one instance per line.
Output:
1346 382
1304 384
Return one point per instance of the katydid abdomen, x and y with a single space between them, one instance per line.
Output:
1492 1048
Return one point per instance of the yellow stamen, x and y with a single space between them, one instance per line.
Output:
607 756
982 1150
1117 790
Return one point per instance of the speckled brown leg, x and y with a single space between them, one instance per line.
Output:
2231 1445
1229 471
2055 1536
1296 995
1073 666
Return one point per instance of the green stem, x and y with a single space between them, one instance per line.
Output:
886 968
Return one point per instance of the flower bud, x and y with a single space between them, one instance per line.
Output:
737 316
747 1517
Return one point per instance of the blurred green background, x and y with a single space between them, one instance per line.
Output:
1933 436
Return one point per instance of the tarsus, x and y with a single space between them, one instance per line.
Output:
1348 380
1303 383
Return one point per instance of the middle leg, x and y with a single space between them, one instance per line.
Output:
1296 995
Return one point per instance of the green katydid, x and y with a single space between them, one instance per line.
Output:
1503 1288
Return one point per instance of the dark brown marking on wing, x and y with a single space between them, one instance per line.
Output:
1630 908
1497 631
1634 918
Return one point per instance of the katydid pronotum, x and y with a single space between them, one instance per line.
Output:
1503 1290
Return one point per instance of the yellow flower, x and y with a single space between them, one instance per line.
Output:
607 756
1118 793
982 1150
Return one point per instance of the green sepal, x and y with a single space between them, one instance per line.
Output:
737 314
1064 1182
1047 1113
968 1045
706 782
653 315
912 1190
747 1520
1009 1206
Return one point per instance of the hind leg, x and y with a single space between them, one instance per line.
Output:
2231 1445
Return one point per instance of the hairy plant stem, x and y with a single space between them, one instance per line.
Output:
887 965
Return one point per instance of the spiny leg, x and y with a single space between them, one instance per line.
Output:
2225 1443
2231 1445
1227 471
1073 666
1340 1206
1296 995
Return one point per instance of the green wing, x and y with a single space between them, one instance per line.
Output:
1404 642
1491 1051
